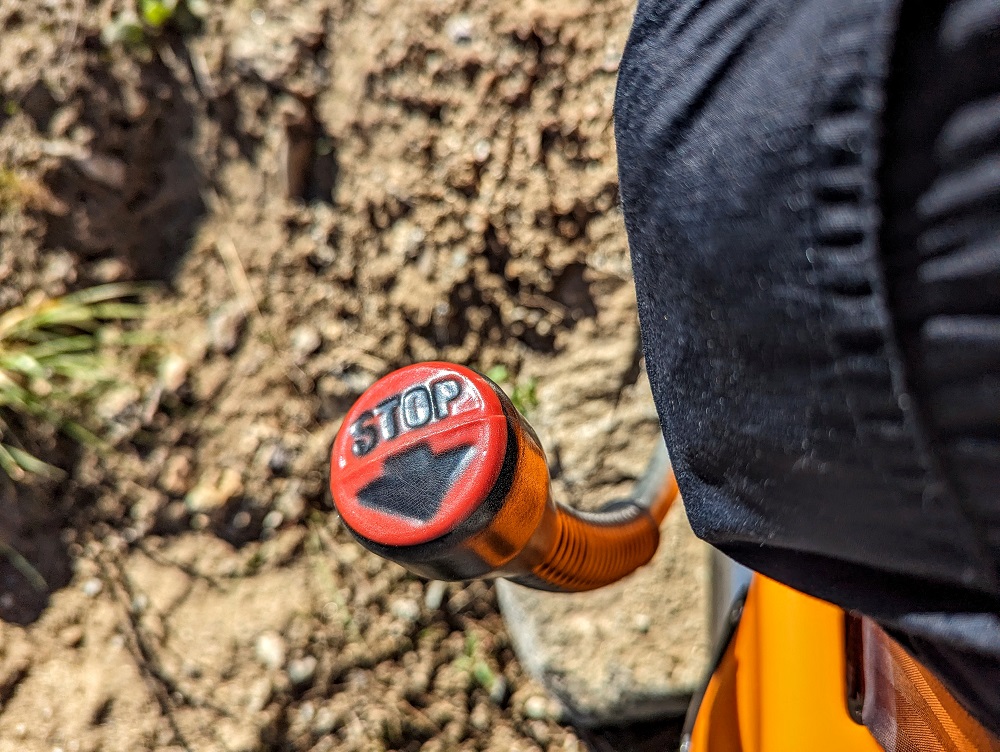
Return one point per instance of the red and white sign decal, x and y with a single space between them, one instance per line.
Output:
417 453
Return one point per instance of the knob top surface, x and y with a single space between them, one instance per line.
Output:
418 453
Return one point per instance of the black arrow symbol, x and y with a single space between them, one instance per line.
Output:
414 482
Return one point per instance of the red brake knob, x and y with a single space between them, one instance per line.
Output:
417 454
434 469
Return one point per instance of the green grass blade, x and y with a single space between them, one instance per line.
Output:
62 345
83 367
81 435
51 314
52 364
21 400
22 565
10 465
138 339
104 293
106 311
32 464
22 363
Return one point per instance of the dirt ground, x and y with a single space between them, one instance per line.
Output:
322 191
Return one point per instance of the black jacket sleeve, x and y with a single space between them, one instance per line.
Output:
811 191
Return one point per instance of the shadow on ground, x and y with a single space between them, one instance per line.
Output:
136 191
655 736
33 558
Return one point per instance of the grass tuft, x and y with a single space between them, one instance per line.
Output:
523 393
53 364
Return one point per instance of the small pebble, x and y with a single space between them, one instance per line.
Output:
280 459
92 587
307 712
302 670
325 721
321 256
434 595
481 151
59 269
225 326
211 493
117 403
474 223
347 555
174 513
305 341
498 691
612 59
109 270
173 372
291 504
418 683
241 520
406 239
191 670
270 650
459 29
72 636
536 707
642 623
176 475
540 732
273 520
557 711
406 609
479 718
259 695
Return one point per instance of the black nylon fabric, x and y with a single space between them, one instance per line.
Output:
811 190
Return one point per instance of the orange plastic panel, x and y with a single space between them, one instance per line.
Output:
781 686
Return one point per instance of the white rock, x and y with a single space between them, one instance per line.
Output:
213 491
405 609
434 595
536 707
481 151
459 29
325 721
302 670
173 372
272 520
642 623
304 342
271 650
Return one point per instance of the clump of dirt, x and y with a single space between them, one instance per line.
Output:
323 192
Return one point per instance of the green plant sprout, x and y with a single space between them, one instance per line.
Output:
52 365
471 663
523 393
157 13
133 27
11 189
